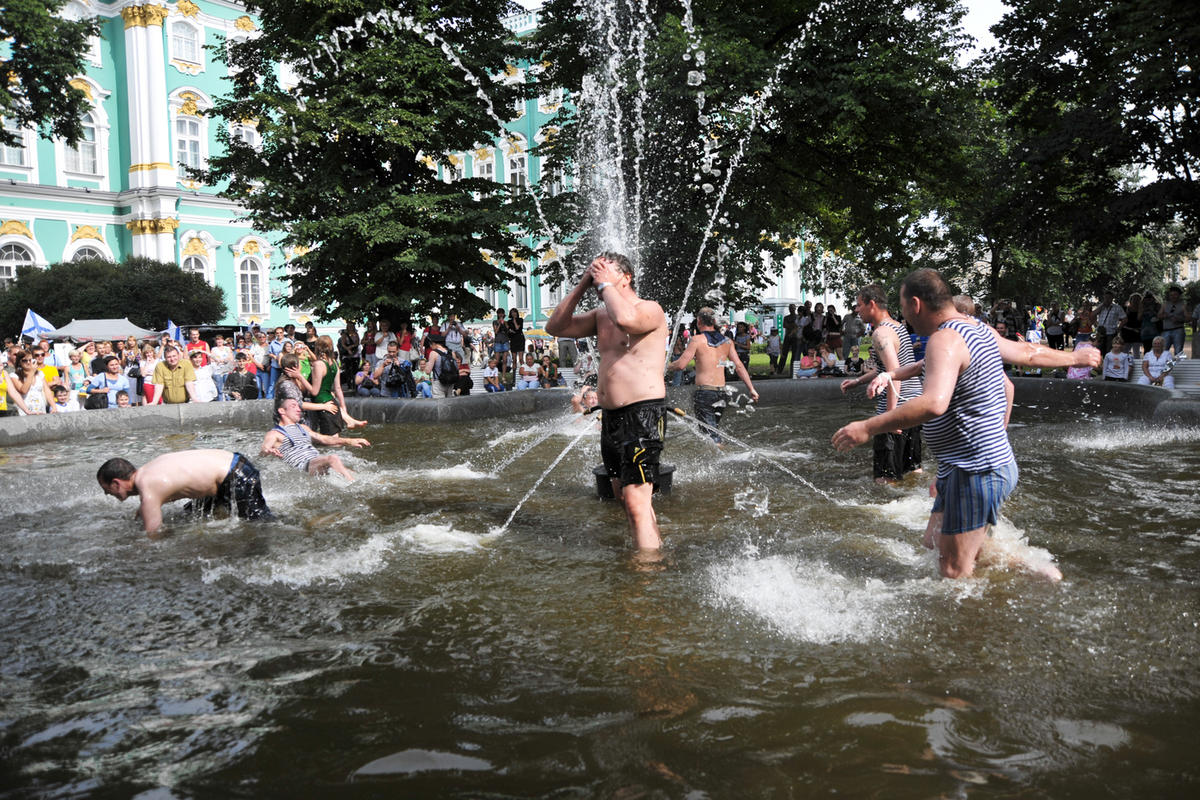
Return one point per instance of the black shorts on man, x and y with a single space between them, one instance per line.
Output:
241 488
631 440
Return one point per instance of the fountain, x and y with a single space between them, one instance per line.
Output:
464 620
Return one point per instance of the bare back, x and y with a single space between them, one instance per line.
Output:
710 369
631 365
187 474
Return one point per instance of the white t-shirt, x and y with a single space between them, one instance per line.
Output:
1156 364
221 360
1116 365
529 372
490 372
206 390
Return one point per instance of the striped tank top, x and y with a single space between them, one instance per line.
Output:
909 388
297 447
971 434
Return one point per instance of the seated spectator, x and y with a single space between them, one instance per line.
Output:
241 384
65 401
810 365
1154 366
584 400
548 375
527 374
1117 364
422 383
854 364
491 377
364 384
465 383
828 362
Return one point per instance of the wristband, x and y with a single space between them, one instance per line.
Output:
600 287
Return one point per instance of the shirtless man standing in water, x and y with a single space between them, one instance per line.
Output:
632 336
209 476
711 351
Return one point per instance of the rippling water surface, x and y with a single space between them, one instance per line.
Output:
385 638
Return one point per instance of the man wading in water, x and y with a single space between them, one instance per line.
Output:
711 350
632 336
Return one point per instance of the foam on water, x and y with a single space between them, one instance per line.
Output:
911 510
1008 548
1134 436
445 539
753 455
807 600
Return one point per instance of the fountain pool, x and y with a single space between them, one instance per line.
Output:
382 637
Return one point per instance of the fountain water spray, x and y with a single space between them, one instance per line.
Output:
538 482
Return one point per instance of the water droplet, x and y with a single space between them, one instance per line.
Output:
703 119
687 56
700 58
695 78
716 173
708 188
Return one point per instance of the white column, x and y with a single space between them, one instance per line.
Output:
146 81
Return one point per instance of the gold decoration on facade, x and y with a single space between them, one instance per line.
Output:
187 8
15 227
83 86
185 67
427 161
513 145
549 255
251 247
189 107
150 167
143 16
483 154
195 247
141 227
244 23
87 232
510 70
454 160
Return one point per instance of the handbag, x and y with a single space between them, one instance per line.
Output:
96 401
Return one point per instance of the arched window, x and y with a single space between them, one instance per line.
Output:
485 166
245 133
187 142
250 294
195 264
11 257
519 296
82 157
13 156
185 43
517 176
88 254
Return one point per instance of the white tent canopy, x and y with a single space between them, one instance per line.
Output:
79 329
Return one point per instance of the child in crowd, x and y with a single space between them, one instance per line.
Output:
424 385
491 377
1080 373
1117 364
64 399
123 399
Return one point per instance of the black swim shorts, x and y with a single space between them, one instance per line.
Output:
708 404
631 440
241 486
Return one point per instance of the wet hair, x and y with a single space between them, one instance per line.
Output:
288 360
114 468
929 287
622 261
873 293
706 316
324 347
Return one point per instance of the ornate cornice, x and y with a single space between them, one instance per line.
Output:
195 247
143 16
15 227
141 227
83 86
87 232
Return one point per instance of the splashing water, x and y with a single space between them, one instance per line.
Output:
571 444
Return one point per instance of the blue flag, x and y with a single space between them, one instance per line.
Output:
174 332
35 324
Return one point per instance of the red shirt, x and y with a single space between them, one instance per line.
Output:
200 345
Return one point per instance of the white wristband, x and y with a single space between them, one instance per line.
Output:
600 287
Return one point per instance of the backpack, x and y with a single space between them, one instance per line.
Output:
393 377
447 368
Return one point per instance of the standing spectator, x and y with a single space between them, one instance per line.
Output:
348 347
383 337
175 376
195 343
310 335
852 333
103 351
434 328
275 351
1109 319
1150 324
455 333
516 336
788 343
50 373
369 354
1196 331
773 346
833 329
27 388
206 387
220 358
527 373
501 345
76 373
1117 364
1054 328
741 343
106 384
1131 328
262 364
146 367
443 370
1154 365
1085 323
240 384
1173 317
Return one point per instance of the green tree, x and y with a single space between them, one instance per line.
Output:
145 291
1094 87
345 161
40 53
865 113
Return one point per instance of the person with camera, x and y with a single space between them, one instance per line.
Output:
393 374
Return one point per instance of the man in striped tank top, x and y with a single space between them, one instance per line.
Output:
896 451
292 441
963 407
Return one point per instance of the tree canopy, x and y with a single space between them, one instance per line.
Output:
345 168
148 292
40 53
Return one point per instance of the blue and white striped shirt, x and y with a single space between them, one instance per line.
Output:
908 389
971 434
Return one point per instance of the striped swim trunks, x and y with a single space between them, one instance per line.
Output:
970 500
